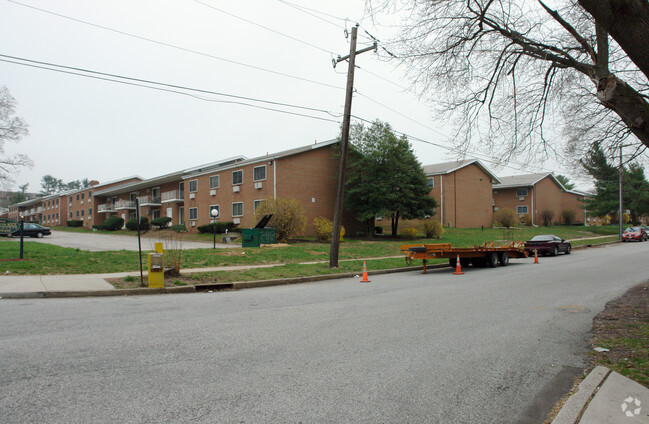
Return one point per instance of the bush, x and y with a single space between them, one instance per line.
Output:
180 228
75 223
409 233
378 230
506 217
324 229
547 216
568 216
525 219
433 228
161 222
131 224
219 226
112 223
288 219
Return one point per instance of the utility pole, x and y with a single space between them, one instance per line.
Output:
340 192
621 214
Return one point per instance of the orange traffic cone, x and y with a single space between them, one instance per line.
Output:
365 280
536 257
458 268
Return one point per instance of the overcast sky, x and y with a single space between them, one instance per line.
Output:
91 128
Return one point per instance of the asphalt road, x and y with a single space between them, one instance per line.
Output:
484 347
104 242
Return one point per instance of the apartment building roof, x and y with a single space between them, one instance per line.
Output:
268 156
450 167
167 178
529 180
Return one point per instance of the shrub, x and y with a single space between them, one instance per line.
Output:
112 223
75 223
568 216
506 217
180 228
131 224
525 219
324 229
288 219
547 216
220 227
161 222
378 229
409 233
433 228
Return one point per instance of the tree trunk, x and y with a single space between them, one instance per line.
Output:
395 223
621 98
628 23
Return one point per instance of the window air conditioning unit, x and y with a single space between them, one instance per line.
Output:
258 185
236 189
192 195
192 223
212 192
521 198
236 221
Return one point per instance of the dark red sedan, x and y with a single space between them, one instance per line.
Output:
548 244
634 233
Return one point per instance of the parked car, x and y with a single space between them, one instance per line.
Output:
31 230
634 233
548 244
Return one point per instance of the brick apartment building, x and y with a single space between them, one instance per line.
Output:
59 208
533 193
235 187
463 190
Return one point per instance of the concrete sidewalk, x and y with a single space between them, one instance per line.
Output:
606 397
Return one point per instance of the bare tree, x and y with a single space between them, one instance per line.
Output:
508 71
12 128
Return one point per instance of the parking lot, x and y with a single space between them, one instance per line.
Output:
103 242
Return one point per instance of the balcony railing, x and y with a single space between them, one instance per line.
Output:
173 196
124 204
106 207
149 201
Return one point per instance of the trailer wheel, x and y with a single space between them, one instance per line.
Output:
452 262
492 259
464 262
503 259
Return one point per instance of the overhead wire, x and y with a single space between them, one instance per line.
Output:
174 88
162 43
304 9
263 27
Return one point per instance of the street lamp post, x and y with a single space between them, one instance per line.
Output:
215 213
22 227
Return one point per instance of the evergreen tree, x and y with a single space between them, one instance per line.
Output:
384 177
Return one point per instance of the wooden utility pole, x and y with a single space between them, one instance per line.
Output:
340 192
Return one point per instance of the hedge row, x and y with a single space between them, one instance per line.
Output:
217 228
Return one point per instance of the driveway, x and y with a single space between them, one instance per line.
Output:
103 242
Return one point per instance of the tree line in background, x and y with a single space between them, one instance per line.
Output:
52 185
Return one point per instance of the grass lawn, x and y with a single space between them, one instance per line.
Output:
48 259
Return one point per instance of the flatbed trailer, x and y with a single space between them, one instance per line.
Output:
488 254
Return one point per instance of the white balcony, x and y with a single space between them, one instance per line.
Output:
173 196
124 204
149 201
106 207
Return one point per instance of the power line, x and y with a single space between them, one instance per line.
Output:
263 27
304 9
163 86
162 43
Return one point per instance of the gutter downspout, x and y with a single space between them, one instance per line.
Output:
533 196
274 177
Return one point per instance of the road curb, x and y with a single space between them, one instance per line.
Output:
577 403
237 285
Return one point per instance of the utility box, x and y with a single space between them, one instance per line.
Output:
156 267
255 237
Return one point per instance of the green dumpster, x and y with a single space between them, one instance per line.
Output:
255 237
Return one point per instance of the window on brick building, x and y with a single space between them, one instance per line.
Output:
521 210
237 177
259 173
237 209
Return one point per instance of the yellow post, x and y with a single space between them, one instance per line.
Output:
156 267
